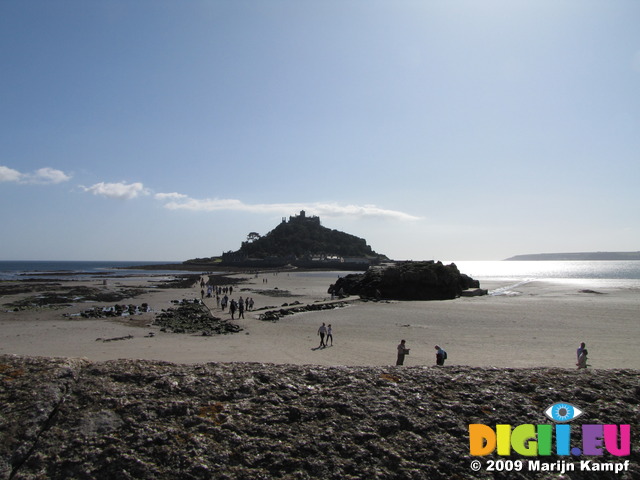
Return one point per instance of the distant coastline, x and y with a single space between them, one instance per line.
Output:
577 256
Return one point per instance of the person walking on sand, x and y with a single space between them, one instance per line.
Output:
579 351
441 355
329 335
402 351
582 356
225 302
322 331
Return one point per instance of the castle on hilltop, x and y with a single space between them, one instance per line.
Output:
302 218
301 241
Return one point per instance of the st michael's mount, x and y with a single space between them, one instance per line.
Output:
300 241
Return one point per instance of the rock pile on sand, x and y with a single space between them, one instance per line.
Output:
193 316
275 315
68 295
111 312
125 419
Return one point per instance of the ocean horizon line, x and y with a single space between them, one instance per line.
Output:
141 262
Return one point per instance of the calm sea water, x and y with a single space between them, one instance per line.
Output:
12 270
602 273
618 274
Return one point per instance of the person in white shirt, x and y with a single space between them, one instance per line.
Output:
322 331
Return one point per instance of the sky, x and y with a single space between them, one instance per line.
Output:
435 129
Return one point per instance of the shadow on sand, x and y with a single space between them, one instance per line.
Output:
321 347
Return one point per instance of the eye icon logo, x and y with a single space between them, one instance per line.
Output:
563 412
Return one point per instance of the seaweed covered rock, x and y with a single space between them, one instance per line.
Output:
192 316
126 419
275 315
407 281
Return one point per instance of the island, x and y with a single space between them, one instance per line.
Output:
300 241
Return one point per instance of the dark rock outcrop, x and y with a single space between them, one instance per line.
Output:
111 312
192 316
407 281
275 315
126 419
68 295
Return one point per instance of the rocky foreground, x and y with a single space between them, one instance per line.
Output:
76 419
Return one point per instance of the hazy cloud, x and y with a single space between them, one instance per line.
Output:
120 191
322 209
9 174
635 61
170 196
335 210
49 175
41 176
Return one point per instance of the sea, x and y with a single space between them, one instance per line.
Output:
70 270
592 274
598 273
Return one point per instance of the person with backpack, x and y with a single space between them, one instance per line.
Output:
441 355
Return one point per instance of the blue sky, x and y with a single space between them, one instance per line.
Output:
453 130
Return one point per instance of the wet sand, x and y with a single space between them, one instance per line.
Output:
540 324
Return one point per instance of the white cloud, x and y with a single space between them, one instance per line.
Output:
41 176
335 210
207 205
170 196
183 202
9 174
120 191
49 175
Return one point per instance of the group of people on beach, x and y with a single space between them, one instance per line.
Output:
213 290
441 354
222 294
240 306
325 332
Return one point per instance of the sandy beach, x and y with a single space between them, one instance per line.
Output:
538 324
